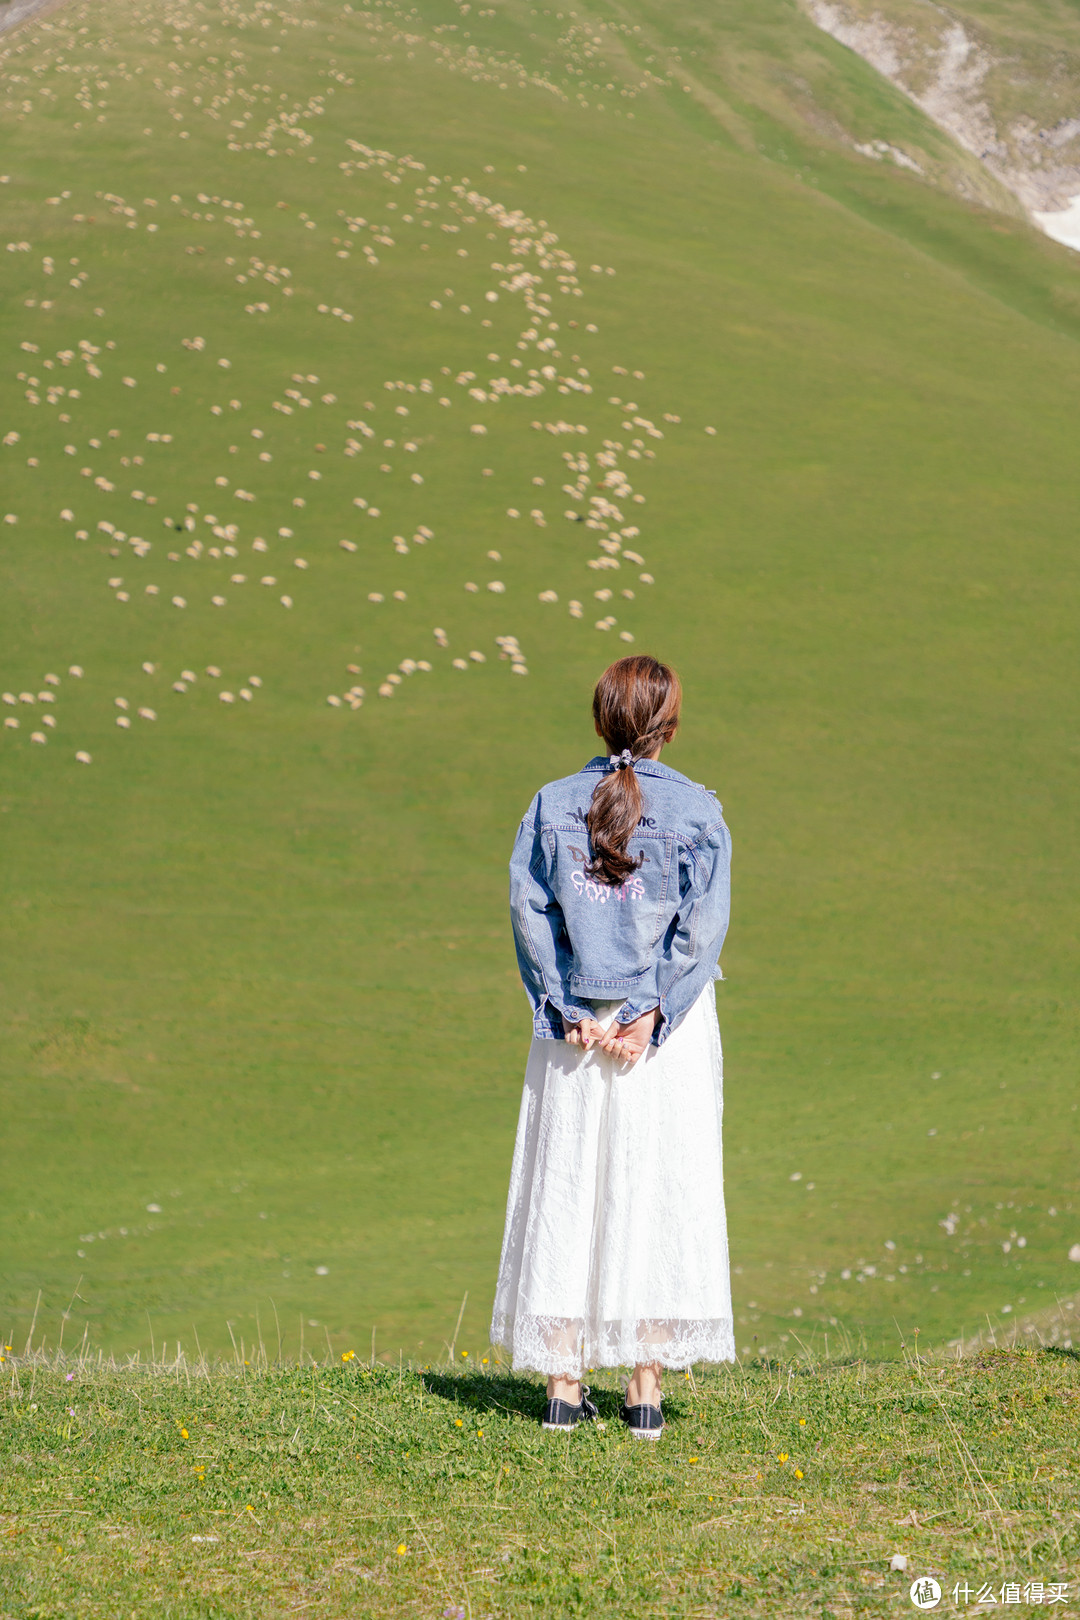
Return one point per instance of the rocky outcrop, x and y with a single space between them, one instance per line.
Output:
17 11
974 88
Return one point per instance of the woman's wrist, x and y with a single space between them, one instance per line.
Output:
629 1016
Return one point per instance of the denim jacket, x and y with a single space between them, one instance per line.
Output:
652 940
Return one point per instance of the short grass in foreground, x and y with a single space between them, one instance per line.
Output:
778 1489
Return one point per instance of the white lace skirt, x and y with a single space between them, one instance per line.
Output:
615 1246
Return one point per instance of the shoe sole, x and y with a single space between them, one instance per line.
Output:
645 1434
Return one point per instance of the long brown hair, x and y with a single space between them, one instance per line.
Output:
636 707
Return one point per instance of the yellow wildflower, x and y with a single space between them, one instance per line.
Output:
798 1473
402 1549
802 1423
781 1456
183 1434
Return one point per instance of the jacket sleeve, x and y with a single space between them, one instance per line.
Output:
540 937
694 938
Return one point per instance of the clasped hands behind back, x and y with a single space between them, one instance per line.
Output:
626 1042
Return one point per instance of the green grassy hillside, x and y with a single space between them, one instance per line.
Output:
264 1035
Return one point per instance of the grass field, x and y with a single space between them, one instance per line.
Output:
263 1032
779 1489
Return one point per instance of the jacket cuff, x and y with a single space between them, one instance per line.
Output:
546 1028
548 1019
632 1010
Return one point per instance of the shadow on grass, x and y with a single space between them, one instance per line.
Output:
522 1397
483 1392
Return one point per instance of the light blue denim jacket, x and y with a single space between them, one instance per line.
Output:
654 939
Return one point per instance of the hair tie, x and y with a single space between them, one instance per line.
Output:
623 761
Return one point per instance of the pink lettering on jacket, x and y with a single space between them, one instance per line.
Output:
601 893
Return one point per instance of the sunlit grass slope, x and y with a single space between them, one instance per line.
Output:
183 1488
813 422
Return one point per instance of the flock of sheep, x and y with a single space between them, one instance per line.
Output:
293 456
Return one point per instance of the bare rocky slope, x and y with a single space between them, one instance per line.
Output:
17 11
1004 84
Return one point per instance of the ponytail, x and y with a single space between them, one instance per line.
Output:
612 820
636 710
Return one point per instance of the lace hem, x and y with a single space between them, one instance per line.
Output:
563 1347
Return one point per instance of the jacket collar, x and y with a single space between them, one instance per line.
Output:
644 767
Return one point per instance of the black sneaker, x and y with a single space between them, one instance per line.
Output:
563 1415
644 1422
